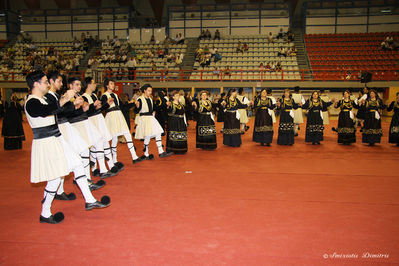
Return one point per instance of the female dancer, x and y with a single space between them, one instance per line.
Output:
394 127
231 128
263 128
206 131
287 106
346 124
314 123
372 130
176 138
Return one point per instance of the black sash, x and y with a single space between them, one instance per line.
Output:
115 108
146 114
78 118
62 119
46 132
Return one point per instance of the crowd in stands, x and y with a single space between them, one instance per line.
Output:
389 44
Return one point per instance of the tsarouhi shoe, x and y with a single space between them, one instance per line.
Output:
94 186
119 165
139 159
106 174
64 196
114 170
53 219
165 154
149 157
96 172
105 202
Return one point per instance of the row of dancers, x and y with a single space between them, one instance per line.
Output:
72 131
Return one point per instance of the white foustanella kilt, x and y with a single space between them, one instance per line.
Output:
326 121
99 122
148 126
298 117
48 160
243 116
88 131
116 123
72 136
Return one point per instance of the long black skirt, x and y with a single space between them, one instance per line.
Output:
346 128
176 139
263 127
231 130
394 129
372 130
220 116
286 129
161 117
206 132
314 127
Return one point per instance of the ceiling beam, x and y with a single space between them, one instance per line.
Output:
63 3
32 4
93 3
157 7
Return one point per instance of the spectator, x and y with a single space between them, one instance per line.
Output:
217 35
160 53
180 39
202 35
245 47
281 34
227 71
282 51
217 57
239 47
152 40
208 35
290 36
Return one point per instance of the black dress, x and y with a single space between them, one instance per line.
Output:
361 112
346 125
206 131
231 128
176 138
372 130
394 127
263 128
125 109
286 127
12 130
161 111
220 116
314 123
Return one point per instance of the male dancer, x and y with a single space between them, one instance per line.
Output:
147 126
116 123
96 117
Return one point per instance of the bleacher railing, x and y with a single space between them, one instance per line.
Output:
237 75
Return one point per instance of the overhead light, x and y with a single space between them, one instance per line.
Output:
386 11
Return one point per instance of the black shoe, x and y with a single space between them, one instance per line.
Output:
64 196
139 159
242 132
296 135
397 144
119 165
318 143
53 219
313 143
105 202
334 129
371 144
97 185
262 144
106 174
114 170
246 128
149 157
361 130
165 154
96 172
268 144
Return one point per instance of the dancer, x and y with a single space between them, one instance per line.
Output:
298 114
372 130
176 137
231 128
116 123
269 95
243 111
220 108
97 119
205 129
361 113
263 127
147 126
287 107
69 133
12 129
394 127
346 124
80 121
314 123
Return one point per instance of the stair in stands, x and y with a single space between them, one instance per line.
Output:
302 56
85 60
189 58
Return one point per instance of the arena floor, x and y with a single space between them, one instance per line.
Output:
254 205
